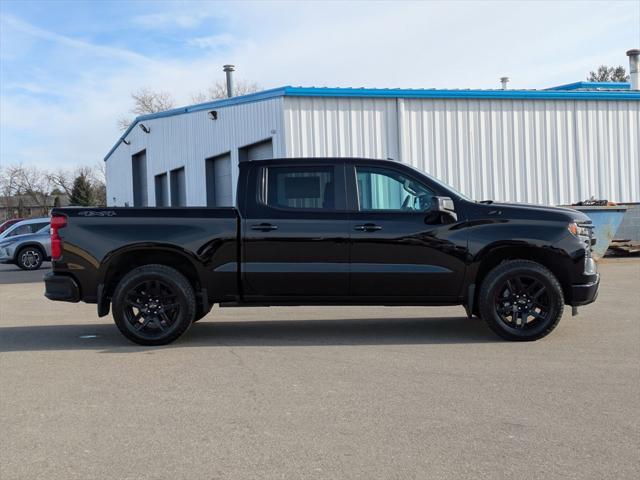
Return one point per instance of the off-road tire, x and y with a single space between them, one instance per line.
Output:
492 299
172 284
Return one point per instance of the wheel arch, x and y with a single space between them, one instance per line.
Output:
494 255
118 263
24 245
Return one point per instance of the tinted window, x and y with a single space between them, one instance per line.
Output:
20 230
386 189
36 227
298 187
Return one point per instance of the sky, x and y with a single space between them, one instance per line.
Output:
67 68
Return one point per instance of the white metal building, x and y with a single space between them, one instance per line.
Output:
554 146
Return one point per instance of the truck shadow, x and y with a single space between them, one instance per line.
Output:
393 331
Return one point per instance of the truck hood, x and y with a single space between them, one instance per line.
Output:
536 212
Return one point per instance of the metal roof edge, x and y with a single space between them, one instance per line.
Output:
224 102
593 85
478 94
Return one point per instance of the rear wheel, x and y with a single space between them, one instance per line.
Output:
30 258
153 305
521 300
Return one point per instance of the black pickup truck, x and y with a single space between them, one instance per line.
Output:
313 231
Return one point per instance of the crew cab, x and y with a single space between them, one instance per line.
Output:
319 231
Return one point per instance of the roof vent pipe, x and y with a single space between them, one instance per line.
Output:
634 67
504 81
229 69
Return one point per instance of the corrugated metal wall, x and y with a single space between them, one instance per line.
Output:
187 140
536 151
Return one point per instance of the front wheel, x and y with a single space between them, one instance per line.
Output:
30 258
521 300
153 305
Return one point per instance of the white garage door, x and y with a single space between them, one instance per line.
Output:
258 151
219 192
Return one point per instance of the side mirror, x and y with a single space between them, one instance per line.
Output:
445 206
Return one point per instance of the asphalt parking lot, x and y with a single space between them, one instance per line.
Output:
13 274
340 393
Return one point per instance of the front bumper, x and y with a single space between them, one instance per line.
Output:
586 293
6 255
61 288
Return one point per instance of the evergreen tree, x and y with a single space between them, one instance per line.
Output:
82 192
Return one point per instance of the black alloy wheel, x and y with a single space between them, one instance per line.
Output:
153 305
521 300
151 308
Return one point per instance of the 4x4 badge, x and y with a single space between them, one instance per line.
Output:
97 213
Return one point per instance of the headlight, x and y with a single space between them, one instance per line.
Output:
580 231
584 232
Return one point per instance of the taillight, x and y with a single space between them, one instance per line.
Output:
57 222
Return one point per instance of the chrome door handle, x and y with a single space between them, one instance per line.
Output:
368 227
264 227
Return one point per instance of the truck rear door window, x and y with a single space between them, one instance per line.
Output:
299 188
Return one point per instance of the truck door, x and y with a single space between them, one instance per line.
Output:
398 250
295 231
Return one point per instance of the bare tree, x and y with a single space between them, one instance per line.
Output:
609 74
62 180
98 178
36 185
147 101
30 182
10 189
218 90
18 182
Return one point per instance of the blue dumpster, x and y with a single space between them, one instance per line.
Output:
606 221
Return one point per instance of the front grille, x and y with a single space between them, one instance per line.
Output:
587 239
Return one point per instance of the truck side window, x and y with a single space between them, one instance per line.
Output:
385 189
299 188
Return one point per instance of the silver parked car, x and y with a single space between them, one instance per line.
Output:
27 243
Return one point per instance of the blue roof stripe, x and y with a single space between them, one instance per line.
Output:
593 86
563 92
468 94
